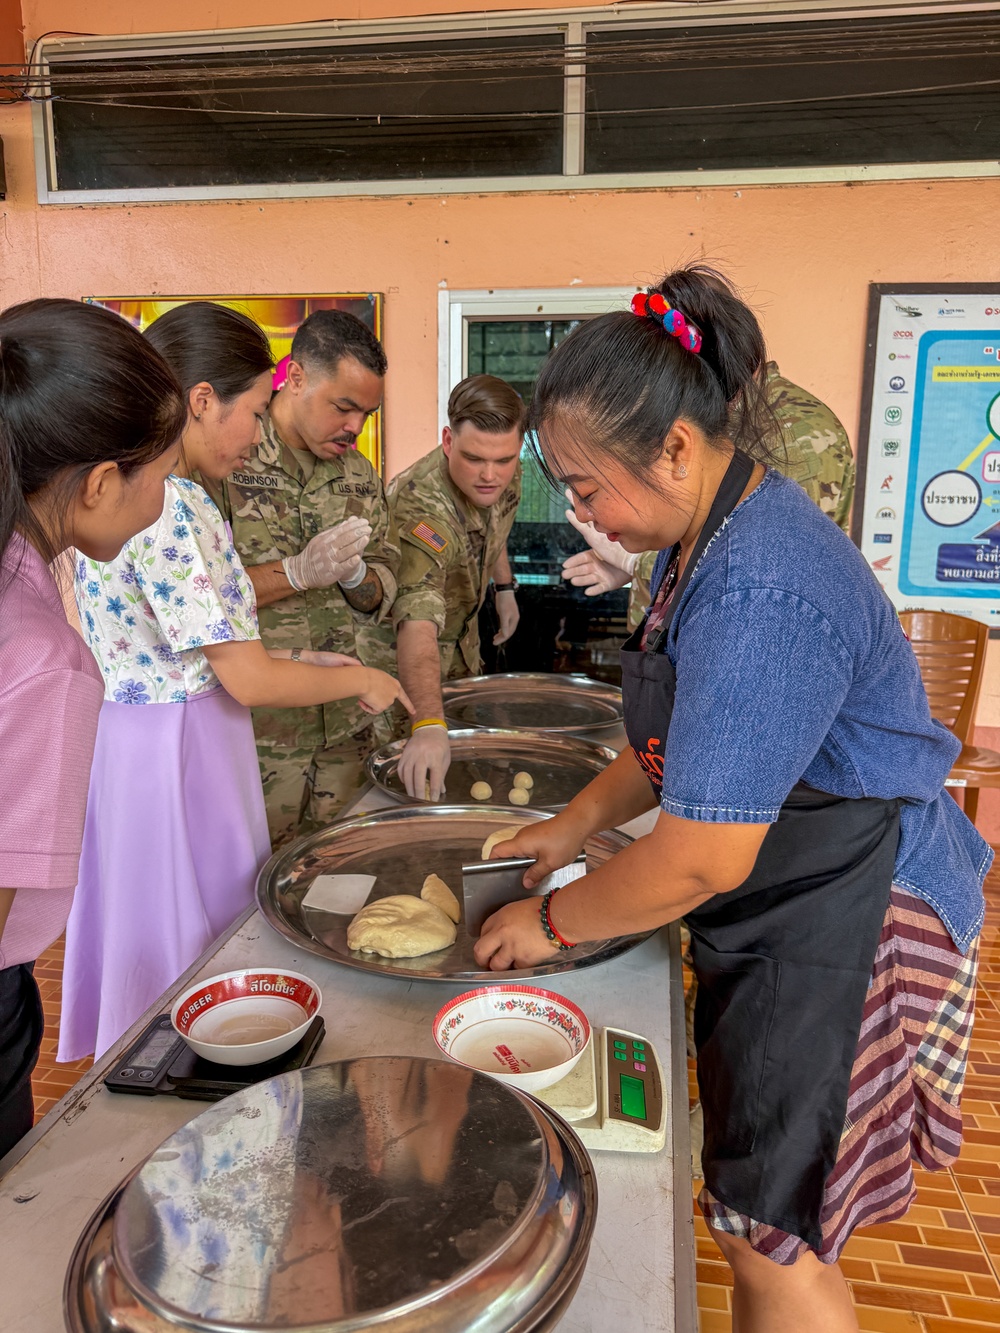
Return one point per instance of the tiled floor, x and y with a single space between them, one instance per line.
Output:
51 1081
936 1271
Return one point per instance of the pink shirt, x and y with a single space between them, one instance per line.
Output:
50 698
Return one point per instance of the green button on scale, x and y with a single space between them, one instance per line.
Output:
620 1045
620 1055
638 1046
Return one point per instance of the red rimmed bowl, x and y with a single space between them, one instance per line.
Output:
246 1017
524 1036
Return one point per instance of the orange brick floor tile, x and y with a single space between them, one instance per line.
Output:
935 1271
50 1081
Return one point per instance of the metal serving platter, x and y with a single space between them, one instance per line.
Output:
560 765
547 702
401 847
392 1193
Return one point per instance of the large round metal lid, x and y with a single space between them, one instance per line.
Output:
326 1196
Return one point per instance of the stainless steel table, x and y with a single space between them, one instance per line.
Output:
641 1269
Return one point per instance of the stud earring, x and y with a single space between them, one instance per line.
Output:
682 471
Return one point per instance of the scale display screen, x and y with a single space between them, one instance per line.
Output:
149 1055
633 1097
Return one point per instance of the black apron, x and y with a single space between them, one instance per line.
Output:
783 962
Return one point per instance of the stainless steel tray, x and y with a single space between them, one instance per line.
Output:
401 847
545 702
560 765
356 1195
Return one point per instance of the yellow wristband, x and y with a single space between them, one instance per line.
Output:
428 722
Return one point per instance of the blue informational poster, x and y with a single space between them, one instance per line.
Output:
927 513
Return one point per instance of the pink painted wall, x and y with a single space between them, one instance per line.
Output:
804 254
117 16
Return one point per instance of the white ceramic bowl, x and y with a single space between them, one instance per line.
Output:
246 1017
523 1036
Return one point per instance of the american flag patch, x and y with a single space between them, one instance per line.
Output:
426 534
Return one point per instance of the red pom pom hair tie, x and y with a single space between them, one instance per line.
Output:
655 306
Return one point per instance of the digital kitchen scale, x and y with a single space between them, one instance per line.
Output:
614 1097
161 1062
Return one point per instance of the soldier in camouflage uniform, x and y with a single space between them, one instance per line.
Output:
818 451
454 510
312 525
817 455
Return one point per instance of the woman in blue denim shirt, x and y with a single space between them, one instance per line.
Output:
775 714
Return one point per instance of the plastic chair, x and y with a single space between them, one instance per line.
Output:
951 654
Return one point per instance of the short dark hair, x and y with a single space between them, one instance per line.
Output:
207 343
327 336
488 403
79 386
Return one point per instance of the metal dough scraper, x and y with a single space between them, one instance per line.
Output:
489 885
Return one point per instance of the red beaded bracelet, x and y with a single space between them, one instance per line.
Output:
548 925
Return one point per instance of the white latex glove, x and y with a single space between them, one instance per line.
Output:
508 613
612 553
331 557
587 570
425 759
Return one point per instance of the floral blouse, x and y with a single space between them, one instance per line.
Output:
174 588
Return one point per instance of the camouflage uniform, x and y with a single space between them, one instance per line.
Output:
819 452
311 759
818 457
449 548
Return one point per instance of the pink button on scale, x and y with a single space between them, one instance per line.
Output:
641 1068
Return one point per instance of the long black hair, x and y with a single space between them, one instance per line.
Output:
79 386
620 381
207 343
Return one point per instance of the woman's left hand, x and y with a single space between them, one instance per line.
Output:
513 937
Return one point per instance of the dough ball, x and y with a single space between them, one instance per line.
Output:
436 891
519 796
524 780
401 926
500 835
481 791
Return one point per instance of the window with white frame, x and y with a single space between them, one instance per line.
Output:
525 99
509 333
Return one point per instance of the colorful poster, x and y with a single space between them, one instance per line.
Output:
927 513
279 317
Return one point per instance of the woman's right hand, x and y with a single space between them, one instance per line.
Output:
381 693
552 843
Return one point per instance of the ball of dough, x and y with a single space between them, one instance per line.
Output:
401 926
519 796
436 891
500 835
481 791
524 780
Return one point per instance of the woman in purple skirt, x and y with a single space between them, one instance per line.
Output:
175 830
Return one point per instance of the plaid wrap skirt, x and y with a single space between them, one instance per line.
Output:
905 1095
